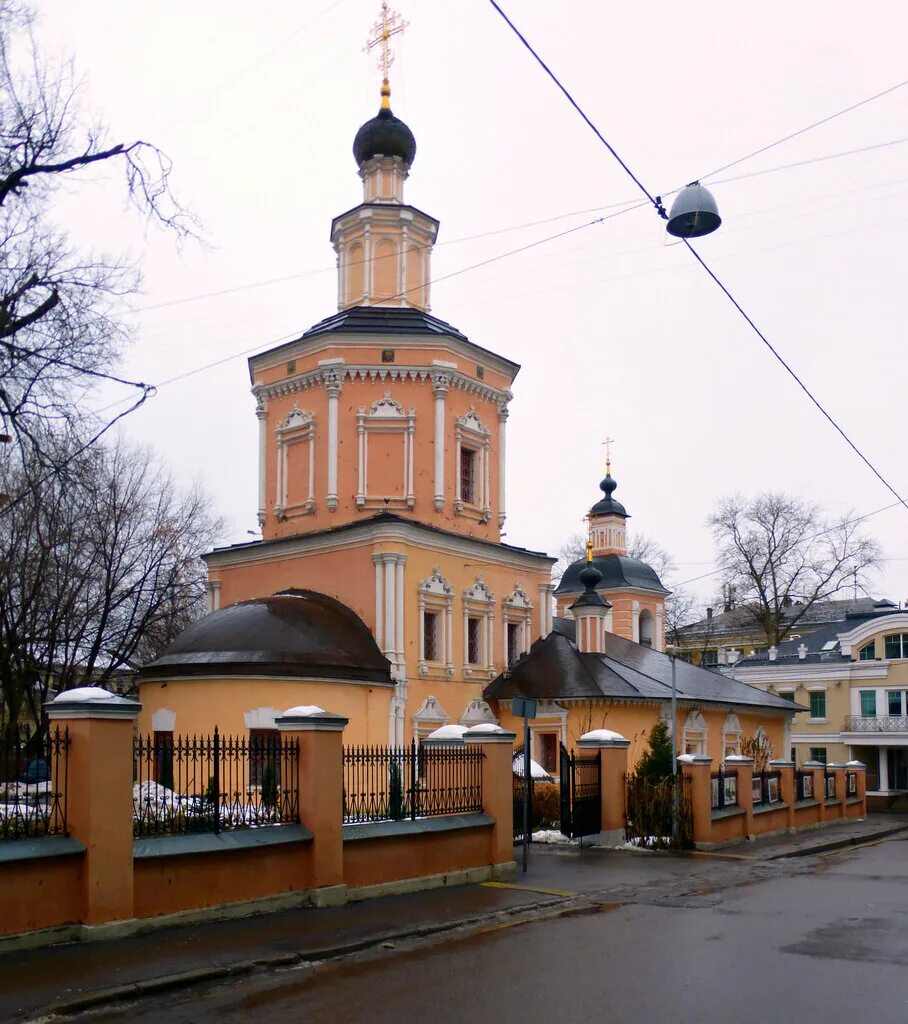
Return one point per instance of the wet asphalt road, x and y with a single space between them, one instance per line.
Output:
822 939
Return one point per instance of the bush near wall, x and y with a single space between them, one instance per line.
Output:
546 810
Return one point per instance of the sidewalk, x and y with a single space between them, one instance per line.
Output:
820 840
75 976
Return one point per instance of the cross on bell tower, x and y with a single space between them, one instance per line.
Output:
388 24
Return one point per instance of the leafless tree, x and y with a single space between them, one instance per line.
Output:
783 555
101 567
60 328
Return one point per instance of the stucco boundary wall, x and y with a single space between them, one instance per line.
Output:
743 822
99 882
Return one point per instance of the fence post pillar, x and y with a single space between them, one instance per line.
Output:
497 746
612 747
819 785
744 766
320 786
838 771
698 768
786 770
860 771
99 808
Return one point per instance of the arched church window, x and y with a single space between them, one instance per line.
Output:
647 628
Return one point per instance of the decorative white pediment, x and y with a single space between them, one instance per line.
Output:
430 711
472 422
296 419
695 722
436 584
477 712
387 408
518 599
479 592
732 724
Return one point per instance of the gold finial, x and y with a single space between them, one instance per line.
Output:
389 23
589 550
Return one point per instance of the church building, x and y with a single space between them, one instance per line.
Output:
381 589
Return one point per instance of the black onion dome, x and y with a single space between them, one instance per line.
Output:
608 504
387 135
590 576
298 633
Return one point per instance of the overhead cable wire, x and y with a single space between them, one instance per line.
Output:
656 202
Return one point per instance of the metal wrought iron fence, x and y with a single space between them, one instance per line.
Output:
392 783
187 784
33 770
804 785
724 790
767 788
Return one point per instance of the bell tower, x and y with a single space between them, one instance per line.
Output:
383 246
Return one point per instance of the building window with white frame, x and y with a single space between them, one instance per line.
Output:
518 615
867 652
818 705
473 446
694 734
896 645
478 612
868 703
436 600
295 438
385 438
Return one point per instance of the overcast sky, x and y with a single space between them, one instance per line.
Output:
618 333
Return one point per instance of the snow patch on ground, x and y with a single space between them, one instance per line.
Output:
553 837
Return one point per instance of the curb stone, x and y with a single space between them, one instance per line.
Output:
169 983
840 844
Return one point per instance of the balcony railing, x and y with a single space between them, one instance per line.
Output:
884 723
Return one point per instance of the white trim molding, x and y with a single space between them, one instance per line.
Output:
440 385
517 609
385 416
297 428
694 733
332 375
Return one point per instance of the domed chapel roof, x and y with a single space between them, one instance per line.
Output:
618 571
295 633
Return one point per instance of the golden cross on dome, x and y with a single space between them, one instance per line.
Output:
389 23
608 442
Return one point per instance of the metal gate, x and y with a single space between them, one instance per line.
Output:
581 793
519 795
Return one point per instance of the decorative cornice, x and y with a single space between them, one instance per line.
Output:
332 377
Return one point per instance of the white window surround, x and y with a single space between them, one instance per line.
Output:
731 735
385 416
478 602
436 595
517 608
428 717
470 433
694 734
478 712
297 428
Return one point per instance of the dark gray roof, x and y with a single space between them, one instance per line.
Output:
815 641
739 619
384 135
383 320
618 571
554 669
296 633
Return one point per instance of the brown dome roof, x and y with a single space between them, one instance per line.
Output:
295 633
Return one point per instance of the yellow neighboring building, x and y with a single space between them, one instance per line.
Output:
853 676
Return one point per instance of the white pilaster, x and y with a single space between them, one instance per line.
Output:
399 608
333 383
261 412
502 463
214 595
635 622
440 390
379 561
659 638
884 770
389 644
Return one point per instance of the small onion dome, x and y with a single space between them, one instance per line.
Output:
384 135
608 504
590 577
